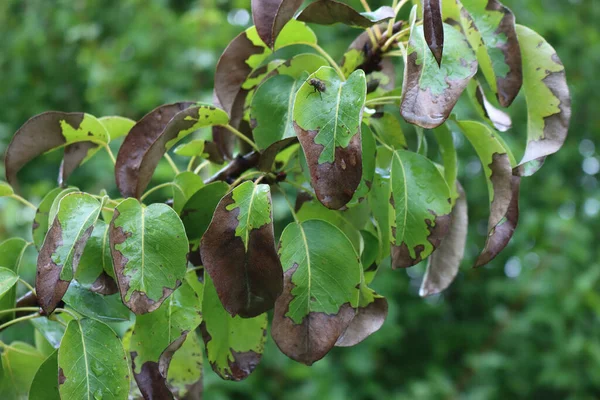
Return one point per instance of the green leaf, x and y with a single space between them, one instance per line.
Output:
54 208
20 361
149 250
490 29
329 12
419 208
445 141
234 345
379 200
548 100
431 91
45 382
91 262
6 189
444 263
198 210
117 126
92 362
371 255
94 305
238 251
388 129
321 279
11 255
49 131
184 378
200 148
40 221
271 16
502 188
61 252
52 331
327 120
150 139
159 335
184 186
8 279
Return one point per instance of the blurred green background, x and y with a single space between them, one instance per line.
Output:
525 326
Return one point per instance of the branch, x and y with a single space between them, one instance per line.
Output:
237 167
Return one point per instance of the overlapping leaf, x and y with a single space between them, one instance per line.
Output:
270 16
548 100
234 345
322 275
107 308
238 251
327 122
92 362
433 28
328 12
149 250
419 208
497 118
45 382
185 185
370 316
11 254
198 210
184 378
63 246
431 91
20 361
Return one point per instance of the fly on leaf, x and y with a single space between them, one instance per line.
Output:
318 85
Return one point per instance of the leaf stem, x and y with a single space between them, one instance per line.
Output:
299 187
19 309
191 163
288 203
202 165
23 201
20 319
172 163
378 100
63 310
381 142
155 188
395 37
245 177
241 136
27 285
330 60
110 153
397 6
375 27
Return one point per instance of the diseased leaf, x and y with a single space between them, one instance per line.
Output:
6 189
548 100
149 250
320 295
74 155
238 251
389 130
433 28
45 382
184 186
234 345
92 362
20 361
270 16
63 247
498 118
370 316
8 279
117 126
419 208
49 131
184 378
327 119
198 210
40 221
152 137
158 335
444 263
11 254
369 154
498 172
328 12
430 92
94 305
490 29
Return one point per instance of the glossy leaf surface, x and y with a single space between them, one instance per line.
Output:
328 12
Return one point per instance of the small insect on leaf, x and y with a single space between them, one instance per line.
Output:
318 85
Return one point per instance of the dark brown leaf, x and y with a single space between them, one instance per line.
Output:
328 12
271 15
105 285
501 120
368 320
434 28
74 154
267 157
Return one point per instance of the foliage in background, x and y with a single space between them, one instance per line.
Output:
489 336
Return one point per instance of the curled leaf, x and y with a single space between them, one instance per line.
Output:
434 28
498 118
270 16
370 316
328 12
238 251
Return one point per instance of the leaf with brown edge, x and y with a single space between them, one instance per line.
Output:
434 28
444 263
74 155
548 100
498 118
419 208
429 91
49 131
184 377
234 345
321 290
270 16
144 133
329 12
63 246
496 162
327 121
149 250
238 251
137 165
370 316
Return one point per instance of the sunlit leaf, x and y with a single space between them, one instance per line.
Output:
149 250
62 249
117 126
322 275
5 189
328 12
238 251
